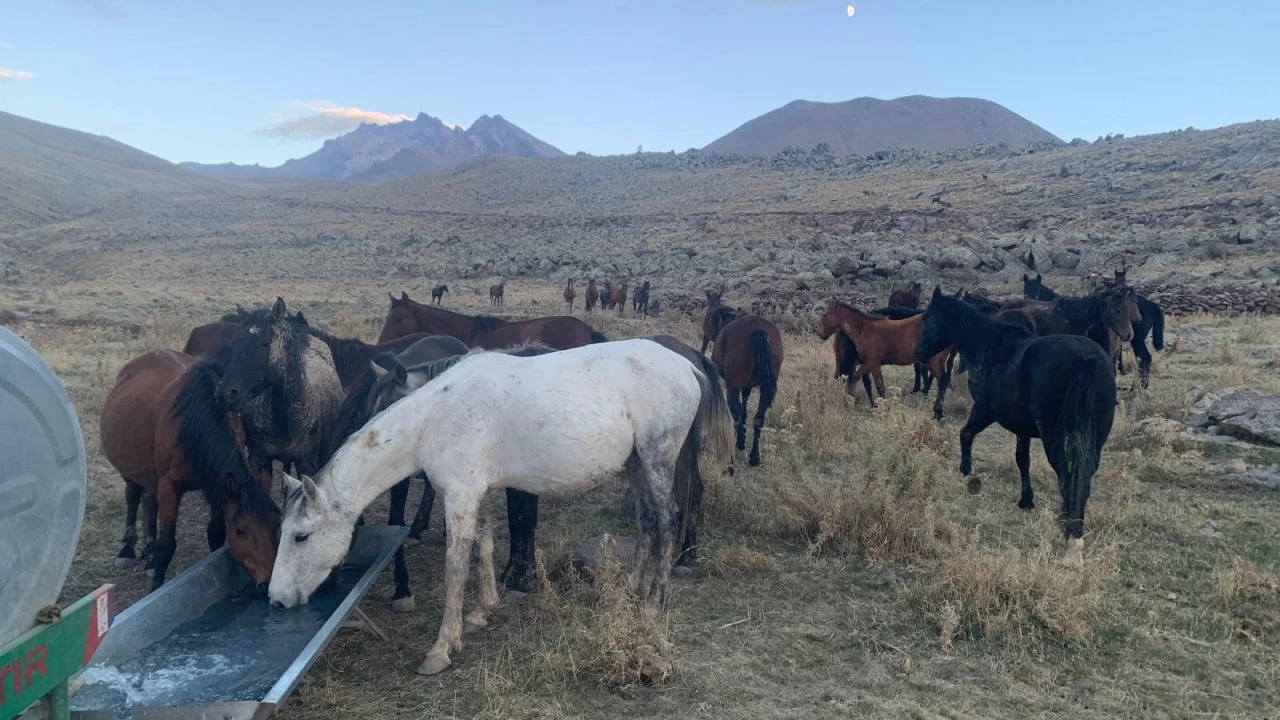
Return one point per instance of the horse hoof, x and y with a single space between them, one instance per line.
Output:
975 484
403 605
123 564
434 665
1026 505
753 461
473 622
681 572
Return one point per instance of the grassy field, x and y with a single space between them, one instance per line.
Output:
851 574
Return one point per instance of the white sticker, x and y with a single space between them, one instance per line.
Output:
104 613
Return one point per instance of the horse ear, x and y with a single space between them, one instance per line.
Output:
291 483
404 296
301 319
937 291
310 490
278 309
1025 278
402 374
378 370
1039 277
392 298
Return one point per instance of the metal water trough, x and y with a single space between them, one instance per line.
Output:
288 641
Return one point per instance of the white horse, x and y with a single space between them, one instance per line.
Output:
550 425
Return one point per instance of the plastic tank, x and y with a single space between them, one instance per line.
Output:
42 485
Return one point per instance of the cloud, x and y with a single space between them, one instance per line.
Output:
320 120
8 75
101 8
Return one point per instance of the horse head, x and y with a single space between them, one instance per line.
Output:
1032 287
253 529
401 319
257 357
830 320
1121 312
314 538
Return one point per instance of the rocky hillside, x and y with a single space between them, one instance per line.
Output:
396 150
867 125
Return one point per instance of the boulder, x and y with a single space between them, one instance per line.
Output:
958 256
1241 413
1065 259
914 270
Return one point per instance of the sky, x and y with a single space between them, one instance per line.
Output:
267 80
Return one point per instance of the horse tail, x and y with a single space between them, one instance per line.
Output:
1081 431
211 446
598 337
1157 327
846 355
762 366
714 423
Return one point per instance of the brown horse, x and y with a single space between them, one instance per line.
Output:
593 294
569 295
619 298
437 294
165 446
881 341
748 353
906 297
715 318
606 296
640 299
496 293
481 331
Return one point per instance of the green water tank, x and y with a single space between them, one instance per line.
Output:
42 485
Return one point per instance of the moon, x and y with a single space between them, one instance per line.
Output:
849 11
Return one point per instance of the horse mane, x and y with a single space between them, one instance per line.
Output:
485 323
978 337
209 444
859 313
529 348
1082 311
349 417
348 353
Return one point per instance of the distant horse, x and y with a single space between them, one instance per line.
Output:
570 295
606 296
748 354
496 292
437 293
906 296
165 444
1059 388
640 300
643 405
593 294
619 298
1151 321
560 332
715 318
882 341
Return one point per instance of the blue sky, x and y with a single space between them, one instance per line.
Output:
262 81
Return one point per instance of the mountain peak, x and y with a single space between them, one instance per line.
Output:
865 125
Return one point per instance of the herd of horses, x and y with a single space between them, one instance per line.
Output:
462 402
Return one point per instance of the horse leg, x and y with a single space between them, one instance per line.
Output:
402 599
879 377
915 388
761 406
487 586
461 506
688 481
167 502
423 517
944 382
1022 455
739 417
651 473
1144 360
149 513
705 341
977 422
522 521
132 496
216 531
861 374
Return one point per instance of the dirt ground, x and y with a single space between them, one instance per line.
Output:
850 575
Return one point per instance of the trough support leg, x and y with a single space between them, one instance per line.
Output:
363 622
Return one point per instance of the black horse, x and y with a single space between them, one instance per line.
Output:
1152 321
1059 388
437 293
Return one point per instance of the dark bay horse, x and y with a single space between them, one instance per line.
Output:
206 340
716 317
1151 321
748 354
619 298
570 295
437 294
560 332
1059 388
880 341
606 296
165 443
496 293
640 300
593 295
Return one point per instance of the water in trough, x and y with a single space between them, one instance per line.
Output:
237 650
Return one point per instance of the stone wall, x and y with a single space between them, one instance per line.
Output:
1220 300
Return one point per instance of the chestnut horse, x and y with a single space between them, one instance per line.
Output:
481 331
619 298
164 444
881 341
846 354
569 295
593 294
748 353
496 292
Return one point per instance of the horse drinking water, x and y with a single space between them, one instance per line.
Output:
485 425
